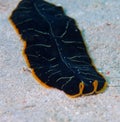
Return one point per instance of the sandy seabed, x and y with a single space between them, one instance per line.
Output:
22 99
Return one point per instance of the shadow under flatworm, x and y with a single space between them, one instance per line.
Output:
55 50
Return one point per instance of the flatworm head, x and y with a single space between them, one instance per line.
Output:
54 49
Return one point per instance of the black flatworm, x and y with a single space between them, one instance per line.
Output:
54 49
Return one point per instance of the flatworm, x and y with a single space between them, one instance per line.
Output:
54 49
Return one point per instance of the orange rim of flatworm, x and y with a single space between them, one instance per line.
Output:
81 88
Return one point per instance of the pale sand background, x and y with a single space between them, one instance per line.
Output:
22 99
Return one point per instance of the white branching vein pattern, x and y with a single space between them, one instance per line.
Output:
24 21
52 74
35 30
71 42
38 45
54 48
